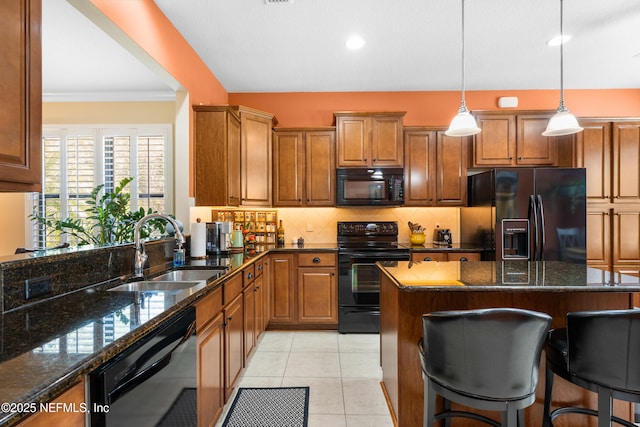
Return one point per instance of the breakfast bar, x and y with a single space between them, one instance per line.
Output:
410 289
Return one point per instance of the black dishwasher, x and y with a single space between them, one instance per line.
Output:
143 385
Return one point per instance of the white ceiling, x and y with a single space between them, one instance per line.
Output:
410 45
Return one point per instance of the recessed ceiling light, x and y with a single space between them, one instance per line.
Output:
558 40
354 42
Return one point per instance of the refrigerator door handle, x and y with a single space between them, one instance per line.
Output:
533 222
542 229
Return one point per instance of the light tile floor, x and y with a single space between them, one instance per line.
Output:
342 371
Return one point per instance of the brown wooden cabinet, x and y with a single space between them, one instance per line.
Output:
369 139
233 344
74 397
444 256
435 168
255 156
317 288
283 303
513 139
217 156
610 151
304 167
21 96
210 338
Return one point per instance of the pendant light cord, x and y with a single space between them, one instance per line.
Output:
463 104
562 106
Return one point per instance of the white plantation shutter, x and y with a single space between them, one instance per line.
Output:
76 159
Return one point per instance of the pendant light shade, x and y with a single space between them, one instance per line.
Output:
563 122
463 124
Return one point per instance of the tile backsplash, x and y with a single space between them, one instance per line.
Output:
319 225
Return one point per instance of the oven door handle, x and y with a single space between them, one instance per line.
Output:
376 256
149 372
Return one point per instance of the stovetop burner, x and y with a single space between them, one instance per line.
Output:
368 235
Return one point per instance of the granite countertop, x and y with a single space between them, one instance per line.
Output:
47 347
506 276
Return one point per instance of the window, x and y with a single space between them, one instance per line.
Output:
77 159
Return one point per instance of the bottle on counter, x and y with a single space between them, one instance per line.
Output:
280 234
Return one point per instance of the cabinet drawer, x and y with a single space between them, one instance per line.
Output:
248 274
208 308
259 266
428 256
463 256
316 259
232 288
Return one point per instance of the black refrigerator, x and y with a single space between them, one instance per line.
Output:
536 214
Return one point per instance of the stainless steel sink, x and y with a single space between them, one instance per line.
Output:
187 275
160 285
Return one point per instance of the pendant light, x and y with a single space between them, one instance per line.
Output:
563 122
463 124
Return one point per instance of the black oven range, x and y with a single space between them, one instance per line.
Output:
360 245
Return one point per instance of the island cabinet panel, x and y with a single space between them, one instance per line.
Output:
21 96
514 139
217 156
369 139
210 336
401 327
73 397
304 167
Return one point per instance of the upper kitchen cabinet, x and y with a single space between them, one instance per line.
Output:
435 168
255 156
304 167
217 156
369 139
514 139
610 151
21 96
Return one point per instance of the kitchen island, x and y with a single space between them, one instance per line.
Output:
410 289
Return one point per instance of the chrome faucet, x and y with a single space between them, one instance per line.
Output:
140 256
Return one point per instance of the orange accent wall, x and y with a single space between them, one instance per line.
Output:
433 108
145 23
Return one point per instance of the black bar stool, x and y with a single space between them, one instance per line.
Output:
485 359
598 351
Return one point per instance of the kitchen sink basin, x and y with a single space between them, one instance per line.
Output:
160 285
187 275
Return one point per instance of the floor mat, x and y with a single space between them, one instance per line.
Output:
183 411
269 407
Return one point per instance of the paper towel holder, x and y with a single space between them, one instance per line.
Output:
198 241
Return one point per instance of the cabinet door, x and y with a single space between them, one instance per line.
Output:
533 149
217 156
283 284
21 96
210 342
288 168
72 398
599 237
255 159
626 229
451 170
386 141
320 168
259 319
353 141
317 295
626 162
419 168
495 144
249 311
233 344
594 153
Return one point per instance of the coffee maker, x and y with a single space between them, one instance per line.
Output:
219 236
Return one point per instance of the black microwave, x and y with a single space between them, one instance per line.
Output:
369 187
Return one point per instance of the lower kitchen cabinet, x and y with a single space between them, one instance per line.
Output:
73 396
210 336
304 289
233 344
249 310
445 256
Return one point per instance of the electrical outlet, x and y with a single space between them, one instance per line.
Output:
36 287
309 227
